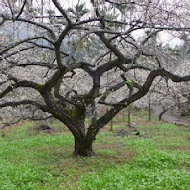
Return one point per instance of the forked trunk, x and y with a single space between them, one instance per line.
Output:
83 149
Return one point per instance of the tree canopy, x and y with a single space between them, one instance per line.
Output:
63 60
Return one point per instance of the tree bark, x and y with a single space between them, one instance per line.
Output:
83 149
111 125
129 115
149 107
149 112
162 113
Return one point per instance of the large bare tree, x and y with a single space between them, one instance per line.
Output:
58 57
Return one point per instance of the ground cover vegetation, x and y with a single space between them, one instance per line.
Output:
160 159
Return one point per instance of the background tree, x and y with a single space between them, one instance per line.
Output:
61 63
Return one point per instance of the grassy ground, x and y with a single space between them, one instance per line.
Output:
160 159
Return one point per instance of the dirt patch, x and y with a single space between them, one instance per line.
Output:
148 123
11 128
120 154
180 148
106 128
115 146
40 128
131 129
123 132
121 157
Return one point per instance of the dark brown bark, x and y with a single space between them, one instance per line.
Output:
83 149
149 110
162 113
129 115
111 125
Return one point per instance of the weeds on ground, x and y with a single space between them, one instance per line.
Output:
158 160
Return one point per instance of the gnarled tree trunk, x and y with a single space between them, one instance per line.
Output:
83 148
162 113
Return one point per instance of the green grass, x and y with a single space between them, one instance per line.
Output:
151 169
158 160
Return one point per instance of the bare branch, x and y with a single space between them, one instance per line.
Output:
39 25
21 42
62 11
25 102
21 10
